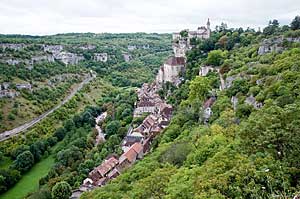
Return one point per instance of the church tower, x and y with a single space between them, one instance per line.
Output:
208 27
208 24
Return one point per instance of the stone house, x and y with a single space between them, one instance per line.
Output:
98 176
171 70
144 107
130 156
207 112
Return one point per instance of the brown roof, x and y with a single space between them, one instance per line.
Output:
137 147
130 155
209 102
132 152
145 104
166 109
107 165
175 61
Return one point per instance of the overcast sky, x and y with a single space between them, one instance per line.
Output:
43 17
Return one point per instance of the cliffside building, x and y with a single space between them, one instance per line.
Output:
170 71
182 40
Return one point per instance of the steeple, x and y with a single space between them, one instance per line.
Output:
208 24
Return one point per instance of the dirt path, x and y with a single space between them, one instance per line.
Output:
8 134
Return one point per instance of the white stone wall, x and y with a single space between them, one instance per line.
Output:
171 73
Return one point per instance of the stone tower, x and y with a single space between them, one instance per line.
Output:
208 24
208 27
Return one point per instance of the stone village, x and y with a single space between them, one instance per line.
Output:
138 140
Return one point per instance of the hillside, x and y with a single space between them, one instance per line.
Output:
40 72
235 131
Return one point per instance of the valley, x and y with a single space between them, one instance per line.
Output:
196 114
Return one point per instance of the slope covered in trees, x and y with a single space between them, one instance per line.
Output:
249 148
68 133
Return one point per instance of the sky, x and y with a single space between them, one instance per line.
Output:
46 17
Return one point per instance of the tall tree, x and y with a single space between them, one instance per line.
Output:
295 25
61 190
199 89
24 161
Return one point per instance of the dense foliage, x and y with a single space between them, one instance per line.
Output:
68 133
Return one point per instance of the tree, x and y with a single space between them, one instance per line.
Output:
176 154
216 57
184 34
61 190
199 89
112 127
295 25
24 161
272 27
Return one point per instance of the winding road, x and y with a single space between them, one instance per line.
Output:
8 134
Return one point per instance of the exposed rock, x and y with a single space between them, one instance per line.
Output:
54 49
102 57
234 101
229 81
13 46
204 70
87 47
252 101
127 57
275 44
68 58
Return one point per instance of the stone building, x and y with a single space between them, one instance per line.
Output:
170 71
182 43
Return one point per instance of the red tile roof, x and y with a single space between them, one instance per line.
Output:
137 147
132 152
130 155
107 165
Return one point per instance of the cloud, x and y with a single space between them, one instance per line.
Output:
59 16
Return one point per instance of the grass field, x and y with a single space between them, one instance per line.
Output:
30 180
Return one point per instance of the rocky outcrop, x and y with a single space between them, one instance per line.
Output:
101 57
252 101
271 45
275 44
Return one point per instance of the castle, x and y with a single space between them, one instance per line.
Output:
201 33
171 70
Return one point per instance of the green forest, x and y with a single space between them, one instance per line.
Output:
244 151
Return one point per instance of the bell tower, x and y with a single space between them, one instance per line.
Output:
208 24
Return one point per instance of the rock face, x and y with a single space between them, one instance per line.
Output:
252 101
271 45
54 49
204 70
171 70
275 44
229 81
68 58
13 46
101 57
127 57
